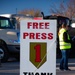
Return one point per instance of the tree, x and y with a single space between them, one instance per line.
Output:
58 10
31 12
67 10
71 9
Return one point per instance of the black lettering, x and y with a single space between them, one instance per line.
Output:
43 73
50 74
29 73
32 73
46 73
36 73
25 73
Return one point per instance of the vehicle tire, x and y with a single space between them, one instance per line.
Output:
17 57
4 55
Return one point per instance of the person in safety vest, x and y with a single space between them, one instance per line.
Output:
65 46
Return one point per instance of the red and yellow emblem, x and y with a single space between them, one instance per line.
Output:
38 53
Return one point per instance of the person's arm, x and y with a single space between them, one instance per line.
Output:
65 36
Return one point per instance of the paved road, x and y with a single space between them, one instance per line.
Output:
71 66
12 67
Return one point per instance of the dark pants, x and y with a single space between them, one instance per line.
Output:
64 59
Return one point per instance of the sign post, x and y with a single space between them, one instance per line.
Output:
38 47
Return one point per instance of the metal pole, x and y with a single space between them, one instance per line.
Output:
16 10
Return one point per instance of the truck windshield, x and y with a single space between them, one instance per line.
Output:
5 23
60 20
63 20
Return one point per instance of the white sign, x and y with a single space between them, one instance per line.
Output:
38 47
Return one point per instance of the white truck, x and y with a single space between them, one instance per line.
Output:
9 40
15 19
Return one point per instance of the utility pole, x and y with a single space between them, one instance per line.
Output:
16 10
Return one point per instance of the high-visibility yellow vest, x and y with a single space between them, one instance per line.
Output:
63 45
